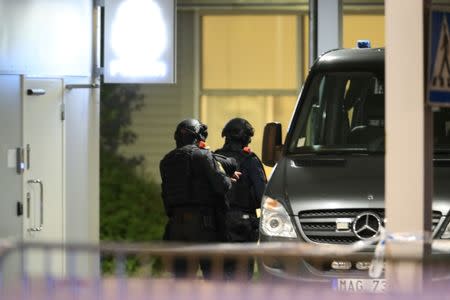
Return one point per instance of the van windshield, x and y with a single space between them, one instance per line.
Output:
344 112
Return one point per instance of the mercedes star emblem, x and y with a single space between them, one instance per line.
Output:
366 225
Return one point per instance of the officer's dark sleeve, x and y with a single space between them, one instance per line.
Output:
257 176
229 164
219 181
163 188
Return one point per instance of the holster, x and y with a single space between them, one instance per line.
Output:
241 226
181 216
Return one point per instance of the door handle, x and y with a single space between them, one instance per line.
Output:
41 223
35 92
28 156
28 205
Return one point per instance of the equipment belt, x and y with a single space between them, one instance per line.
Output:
242 214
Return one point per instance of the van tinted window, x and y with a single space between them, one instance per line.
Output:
344 111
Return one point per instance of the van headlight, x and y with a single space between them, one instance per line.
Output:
275 221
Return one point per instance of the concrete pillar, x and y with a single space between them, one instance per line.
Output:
408 180
325 26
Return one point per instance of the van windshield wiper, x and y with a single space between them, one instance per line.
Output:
319 150
441 150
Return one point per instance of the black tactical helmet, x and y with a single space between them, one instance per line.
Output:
238 130
190 131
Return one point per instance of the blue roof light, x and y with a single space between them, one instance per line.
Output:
363 44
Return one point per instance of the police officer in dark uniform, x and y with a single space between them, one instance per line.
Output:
245 196
193 191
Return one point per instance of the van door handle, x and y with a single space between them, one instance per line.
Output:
41 220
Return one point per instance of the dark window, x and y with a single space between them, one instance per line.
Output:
345 112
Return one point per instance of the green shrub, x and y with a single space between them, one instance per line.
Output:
131 207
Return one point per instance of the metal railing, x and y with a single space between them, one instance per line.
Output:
36 270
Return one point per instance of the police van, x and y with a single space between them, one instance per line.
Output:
327 185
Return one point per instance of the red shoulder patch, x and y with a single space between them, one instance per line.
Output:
202 145
247 150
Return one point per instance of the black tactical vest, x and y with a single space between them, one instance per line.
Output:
242 195
176 176
182 186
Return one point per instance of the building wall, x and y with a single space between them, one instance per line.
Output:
46 37
166 105
82 168
52 39
10 138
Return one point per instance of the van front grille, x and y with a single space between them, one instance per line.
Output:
333 240
336 226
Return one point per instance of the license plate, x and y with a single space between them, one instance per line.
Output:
359 285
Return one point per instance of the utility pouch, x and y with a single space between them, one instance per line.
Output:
208 222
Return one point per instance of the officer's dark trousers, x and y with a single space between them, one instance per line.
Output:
241 227
231 268
191 227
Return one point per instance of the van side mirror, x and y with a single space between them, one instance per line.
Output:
271 149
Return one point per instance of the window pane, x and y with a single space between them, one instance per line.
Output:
249 52
355 27
258 110
363 27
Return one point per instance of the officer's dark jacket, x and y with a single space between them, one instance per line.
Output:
192 178
247 192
